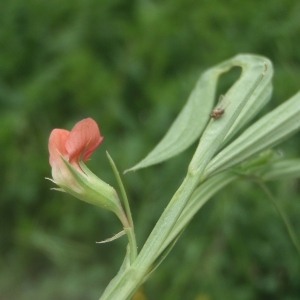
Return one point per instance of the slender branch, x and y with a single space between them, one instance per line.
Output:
129 230
281 212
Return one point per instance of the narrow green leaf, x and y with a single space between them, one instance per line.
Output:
256 102
194 116
188 125
250 84
270 130
116 236
287 168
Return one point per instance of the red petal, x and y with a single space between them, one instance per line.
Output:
56 144
83 140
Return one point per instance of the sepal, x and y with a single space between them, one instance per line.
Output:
89 188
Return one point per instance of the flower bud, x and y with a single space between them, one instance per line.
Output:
68 150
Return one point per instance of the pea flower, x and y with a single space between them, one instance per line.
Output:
68 150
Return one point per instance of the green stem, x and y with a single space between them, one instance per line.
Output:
284 217
128 229
167 221
134 275
201 195
132 243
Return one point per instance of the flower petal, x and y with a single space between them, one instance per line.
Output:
56 145
83 140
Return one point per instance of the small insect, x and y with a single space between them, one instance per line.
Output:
218 111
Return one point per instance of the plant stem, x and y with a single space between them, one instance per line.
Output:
131 278
128 229
132 243
284 217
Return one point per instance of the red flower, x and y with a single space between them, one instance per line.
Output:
74 146
68 150
77 144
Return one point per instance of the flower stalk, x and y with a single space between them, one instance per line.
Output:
129 229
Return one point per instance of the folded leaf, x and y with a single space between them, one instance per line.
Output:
195 115
268 131
188 125
254 80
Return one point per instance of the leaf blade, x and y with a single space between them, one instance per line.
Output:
179 136
194 116
267 132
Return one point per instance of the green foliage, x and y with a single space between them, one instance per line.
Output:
131 66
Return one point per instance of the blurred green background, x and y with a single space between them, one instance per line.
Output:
131 65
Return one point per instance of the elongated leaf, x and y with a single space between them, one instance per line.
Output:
116 236
188 125
194 116
265 133
247 88
256 102
287 168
